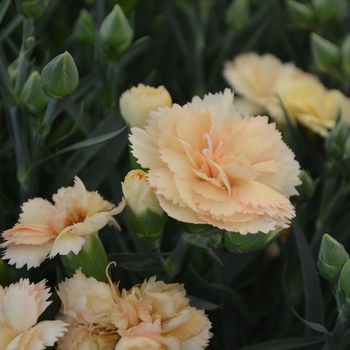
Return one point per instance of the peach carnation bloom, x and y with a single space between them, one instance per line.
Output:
170 322
20 306
153 315
209 165
308 102
46 229
93 311
254 78
136 103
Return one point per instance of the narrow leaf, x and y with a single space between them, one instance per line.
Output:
314 309
3 8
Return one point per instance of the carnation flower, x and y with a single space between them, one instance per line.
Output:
153 315
209 165
20 306
255 77
308 102
46 229
136 103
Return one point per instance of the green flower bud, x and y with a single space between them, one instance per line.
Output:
331 258
335 143
237 243
302 14
344 284
143 210
345 55
307 188
238 14
84 30
5 276
32 8
326 54
92 259
115 33
13 70
60 76
330 9
32 96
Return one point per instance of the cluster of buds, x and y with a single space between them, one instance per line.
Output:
115 33
334 265
311 15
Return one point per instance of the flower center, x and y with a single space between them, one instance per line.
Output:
210 150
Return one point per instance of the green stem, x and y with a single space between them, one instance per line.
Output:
341 327
28 30
45 125
21 150
50 113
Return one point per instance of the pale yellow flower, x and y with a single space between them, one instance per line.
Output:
138 194
21 304
136 103
46 229
209 165
254 78
308 102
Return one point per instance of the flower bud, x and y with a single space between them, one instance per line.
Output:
326 54
307 188
143 210
84 29
237 14
302 14
115 33
331 258
92 259
32 8
12 70
344 282
136 103
330 9
335 143
60 76
237 243
32 96
345 55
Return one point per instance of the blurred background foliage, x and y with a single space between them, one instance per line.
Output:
183 44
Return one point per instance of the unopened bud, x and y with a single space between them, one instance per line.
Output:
116 33
326 54
302 14
12 70
84 30
331 258
238 243
237 14
32 96
32 8
344 286
143 210
136 103
333 10
335 143
307 188
60 76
